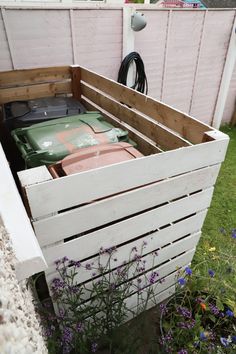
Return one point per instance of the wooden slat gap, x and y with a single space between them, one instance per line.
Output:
145 145
164 137
189 128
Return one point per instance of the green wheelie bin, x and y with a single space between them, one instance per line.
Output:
49 142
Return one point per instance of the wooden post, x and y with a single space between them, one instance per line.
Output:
30 259
75 84
226 78
128 40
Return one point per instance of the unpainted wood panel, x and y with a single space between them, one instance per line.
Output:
150 44
216 36
40 38
98 38
182 52
5 59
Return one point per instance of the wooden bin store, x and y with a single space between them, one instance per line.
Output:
161 198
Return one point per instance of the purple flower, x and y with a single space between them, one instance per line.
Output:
183 351
79 327
233 233
181 281
188 271
167 338
214 309
153 277
144 243
94 347
48 332
110 250
211 273
88 266
233 339
134 249
163 309
57 284
224 342
187 324
184 311
199 300
57 262
65 259
137 258
229 313
67 335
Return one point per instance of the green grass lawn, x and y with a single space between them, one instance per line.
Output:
222 214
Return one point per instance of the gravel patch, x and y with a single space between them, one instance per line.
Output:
20 330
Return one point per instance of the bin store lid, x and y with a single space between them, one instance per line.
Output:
60 137
26 113
94 157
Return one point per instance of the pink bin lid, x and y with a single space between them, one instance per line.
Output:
98 156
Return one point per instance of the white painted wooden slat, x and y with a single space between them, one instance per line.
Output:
165 294
154 241
75 221
167 273
131 302
151 262
164 254
166 290
102 182
88 245
29 256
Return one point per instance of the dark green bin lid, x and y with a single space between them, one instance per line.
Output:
48 142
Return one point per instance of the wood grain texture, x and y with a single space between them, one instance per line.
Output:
121 177
75 84
76 221
159 134
144 145
34 91
34 76
126 230
189 128
155 240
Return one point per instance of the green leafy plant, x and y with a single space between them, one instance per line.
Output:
200 317
90 316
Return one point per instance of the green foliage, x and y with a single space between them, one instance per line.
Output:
90 316
200 317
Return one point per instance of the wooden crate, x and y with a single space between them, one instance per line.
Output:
161 198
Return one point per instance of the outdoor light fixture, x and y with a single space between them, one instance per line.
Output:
138 21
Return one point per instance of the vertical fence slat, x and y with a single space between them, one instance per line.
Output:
197 61
8 37
166 54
